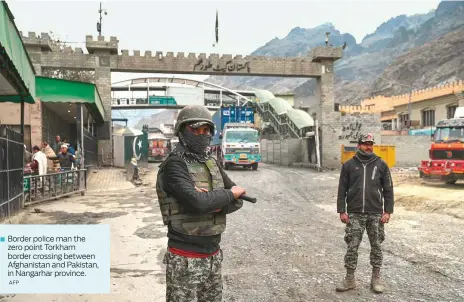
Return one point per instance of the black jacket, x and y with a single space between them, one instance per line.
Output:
365 187
178 183
66 160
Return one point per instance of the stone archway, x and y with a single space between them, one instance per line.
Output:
103 57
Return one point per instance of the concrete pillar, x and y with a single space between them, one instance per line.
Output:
103 83
329 120
36 115
102 50
36 123
35 45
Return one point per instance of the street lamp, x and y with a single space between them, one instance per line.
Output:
99 24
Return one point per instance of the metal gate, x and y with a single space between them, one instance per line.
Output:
91 150
11 172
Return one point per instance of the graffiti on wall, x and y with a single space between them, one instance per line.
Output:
351 131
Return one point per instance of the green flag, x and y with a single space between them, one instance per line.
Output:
137 147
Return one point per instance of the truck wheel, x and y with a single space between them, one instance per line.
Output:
226 166
451 182
254 166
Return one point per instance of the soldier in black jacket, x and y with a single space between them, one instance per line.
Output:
365 202
195 196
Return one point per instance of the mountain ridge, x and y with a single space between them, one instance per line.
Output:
357 73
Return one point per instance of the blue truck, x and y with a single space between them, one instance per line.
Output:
236 141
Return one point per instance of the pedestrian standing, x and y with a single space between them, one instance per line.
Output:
195 195
65 158
365 202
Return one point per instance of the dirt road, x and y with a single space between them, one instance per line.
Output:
287 247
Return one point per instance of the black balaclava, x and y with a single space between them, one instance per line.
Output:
192 146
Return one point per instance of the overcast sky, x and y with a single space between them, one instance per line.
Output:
188 26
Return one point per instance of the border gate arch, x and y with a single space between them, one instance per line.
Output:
105 57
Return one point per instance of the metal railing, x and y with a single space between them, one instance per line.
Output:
38 188
282 127
11 171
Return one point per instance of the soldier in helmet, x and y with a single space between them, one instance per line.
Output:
365 202
195 195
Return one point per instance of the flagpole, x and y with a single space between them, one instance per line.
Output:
216 27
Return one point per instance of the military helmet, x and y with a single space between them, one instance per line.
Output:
366 138
195 116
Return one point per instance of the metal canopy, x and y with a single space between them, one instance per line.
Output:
50 90
17 82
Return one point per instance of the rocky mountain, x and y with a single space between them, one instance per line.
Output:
392 50
433 63
166 116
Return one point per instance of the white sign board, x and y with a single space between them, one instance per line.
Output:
187 95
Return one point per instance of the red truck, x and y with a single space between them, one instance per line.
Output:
446 152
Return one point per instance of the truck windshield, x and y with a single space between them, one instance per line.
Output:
449 134
242 136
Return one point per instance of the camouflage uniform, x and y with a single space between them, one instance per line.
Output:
365 193
354 232
193 279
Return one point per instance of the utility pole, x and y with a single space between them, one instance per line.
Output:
409 107
99 24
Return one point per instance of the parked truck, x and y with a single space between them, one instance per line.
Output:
158 147
446 152
236 141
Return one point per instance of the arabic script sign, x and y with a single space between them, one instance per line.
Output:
230 65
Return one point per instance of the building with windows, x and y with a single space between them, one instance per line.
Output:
428 107
40 107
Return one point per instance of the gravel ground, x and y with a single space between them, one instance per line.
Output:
287 247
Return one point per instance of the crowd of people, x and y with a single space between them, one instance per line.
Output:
61 156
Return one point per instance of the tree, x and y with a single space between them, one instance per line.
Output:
65 73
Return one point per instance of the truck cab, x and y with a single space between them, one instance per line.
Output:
240 146
446 152
236 141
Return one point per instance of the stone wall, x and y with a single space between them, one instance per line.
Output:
10 114
340 130
410 150
353 125
439 104
104 57
382 103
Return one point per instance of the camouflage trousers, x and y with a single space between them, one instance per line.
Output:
354 232
193 279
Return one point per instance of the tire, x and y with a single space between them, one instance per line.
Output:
451 182
254 167
226 166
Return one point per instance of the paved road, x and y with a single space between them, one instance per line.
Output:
287 247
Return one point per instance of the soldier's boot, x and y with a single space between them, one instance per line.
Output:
376 285
348 282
